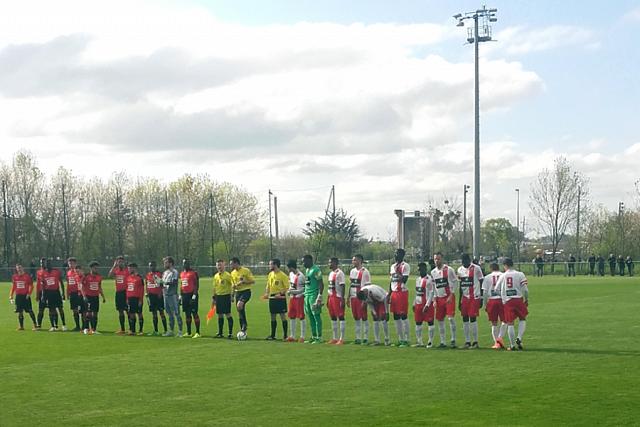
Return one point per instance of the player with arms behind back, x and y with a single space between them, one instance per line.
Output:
154 297
74 280
399 297
493 305
91 290
222 298
515 297
53 294
470 279
445 281
276 293
423 309
21 288
359 276
135 293
189 287
335 301
119 272
296 301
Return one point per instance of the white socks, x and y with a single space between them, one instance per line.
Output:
503 329
512 334
303 328
365 335
494 333
376 330
465 327
441 331
343 327
432 332
419 334
358 329
385 327
452 326
399 327
406 329
474 331
334 329
292 330
522 325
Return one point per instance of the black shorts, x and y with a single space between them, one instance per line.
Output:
54 299
134 305
156 302
189 305
223 304
121 300
93 304
76 301
277 305
243 295
23 303
42 304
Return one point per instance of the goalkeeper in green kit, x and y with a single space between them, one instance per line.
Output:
313 298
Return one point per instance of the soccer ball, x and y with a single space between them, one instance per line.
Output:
241 336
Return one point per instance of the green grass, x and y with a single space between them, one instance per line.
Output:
580 367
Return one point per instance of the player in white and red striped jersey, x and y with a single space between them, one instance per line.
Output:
335 302
515 298
399 297
446 283
377 299
359 276
470 279
297 280
493 305
423 310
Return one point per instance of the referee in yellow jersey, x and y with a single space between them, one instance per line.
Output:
222 298
242 281
277 285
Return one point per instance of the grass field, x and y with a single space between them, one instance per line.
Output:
581 366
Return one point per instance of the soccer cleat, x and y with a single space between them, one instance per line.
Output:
130 333
20 328
467 345
340 342
179 334
402 344
512 348
85 331
365 342
186 336
96 333
301 340
219 335
387 343
417 345
357 342
519 344
290 339
453 344
429 344
76 329
442 345
64 328
332 341
167 334
500 342
375 343
475 345
120 332
53 329
496 346
140 334
196 335
230 336
35 328
270 338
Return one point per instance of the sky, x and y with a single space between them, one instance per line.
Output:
374 97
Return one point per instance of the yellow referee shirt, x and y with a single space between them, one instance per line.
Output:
277 283
242 273
222 283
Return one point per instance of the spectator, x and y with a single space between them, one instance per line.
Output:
592 264
621 264
571 264
612 264
539 261
600 265
629 262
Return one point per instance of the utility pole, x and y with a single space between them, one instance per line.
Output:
335 242
473 36
464 219
166 221
5 216
213 240
270 230
621 223
518 224
119 222
578 247
275 219
65 223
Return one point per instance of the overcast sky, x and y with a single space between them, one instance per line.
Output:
374 97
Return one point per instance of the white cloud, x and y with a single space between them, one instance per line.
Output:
521 40
633 15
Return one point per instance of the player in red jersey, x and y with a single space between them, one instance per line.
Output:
135 298
493 305
297 281
189 286
21 287
51 282
470 279
423 310
74 280
91 290
399 297
40 297
119 273
335 302
154 297
359 276
515 299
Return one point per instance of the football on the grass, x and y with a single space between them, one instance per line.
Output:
241 336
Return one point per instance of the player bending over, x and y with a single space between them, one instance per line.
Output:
21 288
276 292
376 299
445 282
222 298
493 305
335 301
515 297
423 309
296 301
470 278
359 276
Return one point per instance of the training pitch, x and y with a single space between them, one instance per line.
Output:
581 365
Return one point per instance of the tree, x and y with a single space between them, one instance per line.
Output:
554 198
498 236
334 234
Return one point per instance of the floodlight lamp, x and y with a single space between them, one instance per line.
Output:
457 16
493 19
460 24
493 10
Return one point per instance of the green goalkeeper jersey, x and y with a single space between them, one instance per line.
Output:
314 276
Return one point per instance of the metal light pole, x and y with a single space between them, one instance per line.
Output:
270 228
621 220
578 224
5 216
473 36
518 223
464 218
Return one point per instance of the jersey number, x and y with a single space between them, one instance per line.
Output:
509 282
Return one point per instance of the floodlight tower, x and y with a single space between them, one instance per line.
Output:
481 32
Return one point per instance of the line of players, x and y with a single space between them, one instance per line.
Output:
505 296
